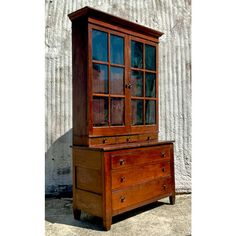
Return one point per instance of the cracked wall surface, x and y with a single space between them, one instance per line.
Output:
168 16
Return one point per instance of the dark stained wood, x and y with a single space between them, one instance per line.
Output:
115 168
77 214
96 14
172 199
79 70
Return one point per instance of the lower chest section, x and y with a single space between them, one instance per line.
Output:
122 179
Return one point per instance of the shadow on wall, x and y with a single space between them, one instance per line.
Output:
58 167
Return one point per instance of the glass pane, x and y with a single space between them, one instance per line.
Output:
137 112
99 41
150 57
137 83
100 78
150 85
150 112
117 50
136 54
117 111
117 80
100 111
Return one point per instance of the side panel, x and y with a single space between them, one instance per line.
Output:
87 181
80 67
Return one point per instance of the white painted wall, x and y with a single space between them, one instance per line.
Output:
173 17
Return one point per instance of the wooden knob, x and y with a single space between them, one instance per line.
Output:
128 140
104 140
148 138
122 162
122 198
122 179
163 154
164 187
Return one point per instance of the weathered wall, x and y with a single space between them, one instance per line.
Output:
173 17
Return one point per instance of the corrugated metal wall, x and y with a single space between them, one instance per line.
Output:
173 17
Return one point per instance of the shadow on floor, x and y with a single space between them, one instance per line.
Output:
60 211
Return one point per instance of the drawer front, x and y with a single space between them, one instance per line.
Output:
127 139
103 140
130 176
140 193
139 156
148 137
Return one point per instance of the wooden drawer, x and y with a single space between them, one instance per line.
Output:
128 197
127 139
102 140
148 137
139 156
142 173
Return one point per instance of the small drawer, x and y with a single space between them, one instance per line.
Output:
139 156
129 176
128 197
127 139
102 140
148 137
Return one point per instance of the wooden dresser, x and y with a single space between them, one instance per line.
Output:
118 161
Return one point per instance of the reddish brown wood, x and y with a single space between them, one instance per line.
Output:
140 192
105 17
128 158
146 172
115 168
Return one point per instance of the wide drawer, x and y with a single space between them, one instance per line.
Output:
139 156
140 193
130 176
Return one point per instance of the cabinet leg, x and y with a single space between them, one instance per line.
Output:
77 214
172 199
107 223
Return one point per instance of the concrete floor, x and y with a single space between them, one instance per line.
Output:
154 219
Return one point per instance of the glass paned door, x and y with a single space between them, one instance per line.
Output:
143 83
108 78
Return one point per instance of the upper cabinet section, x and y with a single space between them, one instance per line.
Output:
115 76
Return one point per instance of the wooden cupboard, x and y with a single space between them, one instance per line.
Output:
118 161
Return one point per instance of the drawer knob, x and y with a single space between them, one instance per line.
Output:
163 169
122 198
122 179
122 162
128 140
148 138
104 140
164 187
163 154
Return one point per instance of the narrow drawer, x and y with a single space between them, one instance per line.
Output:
102 140
127 139
142 173
140 193
148 137
139 156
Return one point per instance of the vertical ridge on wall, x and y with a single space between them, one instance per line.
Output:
169 16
